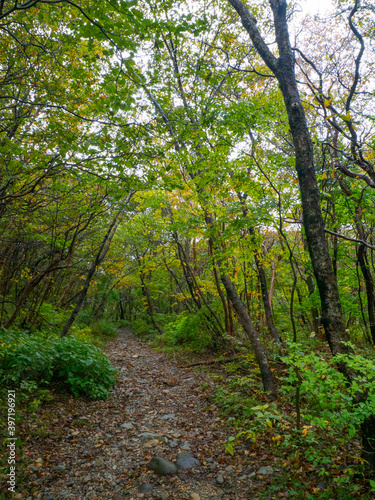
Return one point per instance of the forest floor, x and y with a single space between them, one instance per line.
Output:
82 449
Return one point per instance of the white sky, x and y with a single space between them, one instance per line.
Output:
313 7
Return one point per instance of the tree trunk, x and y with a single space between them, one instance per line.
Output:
369 284
252 335
265 298
146 294
222 298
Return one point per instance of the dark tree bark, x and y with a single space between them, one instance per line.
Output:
264 291
261 276
242 314
251 333
369 284
228 328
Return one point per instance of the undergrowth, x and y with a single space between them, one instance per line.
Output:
40 359
312 431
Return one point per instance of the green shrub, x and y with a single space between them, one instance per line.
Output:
41 359
103 328
189 330
143 328
26 356
124 323
84 367
326 401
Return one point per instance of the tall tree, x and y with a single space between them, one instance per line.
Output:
283 67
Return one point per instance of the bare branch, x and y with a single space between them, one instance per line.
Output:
249 23
355 240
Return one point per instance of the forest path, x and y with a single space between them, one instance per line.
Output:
100 449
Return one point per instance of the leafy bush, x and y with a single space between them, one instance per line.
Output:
124 323
189 330
329 403
318 418
84 367
54 317
103 328
41 359
143 328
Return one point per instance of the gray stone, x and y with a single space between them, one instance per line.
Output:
229 469
251 475
162 466
219 479
60 467
210 459
168 417
127 425
151 435
265 470
186 461
145 488
185 446
173 443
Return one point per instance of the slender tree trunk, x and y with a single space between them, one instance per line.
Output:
222 298
25 293
262 279
252 335
243 315
369 284
265 298
150 309
195 290
230 316
272 285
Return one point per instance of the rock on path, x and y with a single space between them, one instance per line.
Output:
101 449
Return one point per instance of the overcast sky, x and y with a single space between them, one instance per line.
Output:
315 6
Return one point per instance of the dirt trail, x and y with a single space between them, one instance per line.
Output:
100 449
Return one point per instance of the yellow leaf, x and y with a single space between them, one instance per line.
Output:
327 103
324 176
